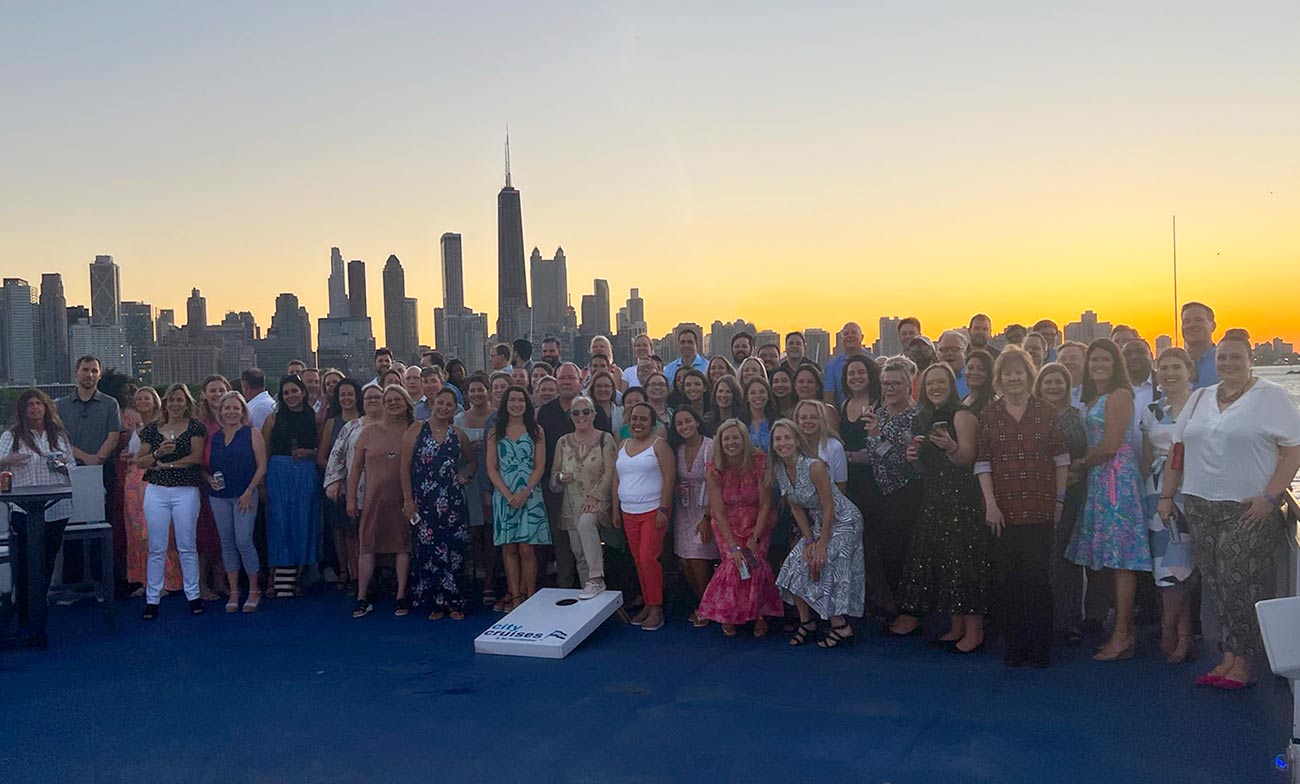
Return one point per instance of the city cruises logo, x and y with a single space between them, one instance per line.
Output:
517 632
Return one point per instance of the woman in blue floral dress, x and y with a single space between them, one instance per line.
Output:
436 466
515 470
1112 532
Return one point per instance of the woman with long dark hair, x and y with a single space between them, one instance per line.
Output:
947 567
37 450
979 381
1112 533
808 384
758 411
473 422
515 470
692 538
724 403
292 495
783 395
345 405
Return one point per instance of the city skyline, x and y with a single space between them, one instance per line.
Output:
985 191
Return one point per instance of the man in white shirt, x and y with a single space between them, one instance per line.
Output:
642 348
311 377
1137 360
252 383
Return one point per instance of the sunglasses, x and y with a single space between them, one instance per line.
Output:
582 412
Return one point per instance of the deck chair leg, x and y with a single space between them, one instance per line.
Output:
107 585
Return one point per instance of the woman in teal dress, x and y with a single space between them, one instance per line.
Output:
1111 534
518 511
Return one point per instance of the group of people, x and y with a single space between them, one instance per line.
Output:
1032 488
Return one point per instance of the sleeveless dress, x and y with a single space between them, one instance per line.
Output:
841 587
947 568
729 599
1171 556
293 492
528 523
1112 532
477 489
384 529
442 535
691 504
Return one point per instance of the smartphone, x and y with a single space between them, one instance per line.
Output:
940 427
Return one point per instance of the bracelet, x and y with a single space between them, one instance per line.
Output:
1166 498
666 511
809 540
735 548
1274 499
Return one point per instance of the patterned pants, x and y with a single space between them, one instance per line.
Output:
1236 559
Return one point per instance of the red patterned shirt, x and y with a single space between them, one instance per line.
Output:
1023 457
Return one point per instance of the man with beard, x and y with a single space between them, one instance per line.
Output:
1137 361
981 330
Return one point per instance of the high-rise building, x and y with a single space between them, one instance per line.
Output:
357 289
138 323
399 332
888 344
766 337
453 273
196 312
1087 328
52 348
346 344
550 279
512 279
817 345
18 317
165 326
105 291
411 325
720 336
338 286
629 323
77 313
1163 342
288 338
602 307
106 341
183 363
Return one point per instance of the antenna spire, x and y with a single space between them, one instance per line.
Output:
507 155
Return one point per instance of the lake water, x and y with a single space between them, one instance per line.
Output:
1281 375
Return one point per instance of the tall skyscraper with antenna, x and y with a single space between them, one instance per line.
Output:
512 278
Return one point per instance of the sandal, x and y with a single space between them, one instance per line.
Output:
760 627
254 599
403 607
504 604
456 615
232 604
362 609
343 582
698 622
351 589
728 630
801 634
489 598
834 639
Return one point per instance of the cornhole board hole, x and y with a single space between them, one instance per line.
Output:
550 625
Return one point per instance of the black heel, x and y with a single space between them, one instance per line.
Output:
834 639
801 634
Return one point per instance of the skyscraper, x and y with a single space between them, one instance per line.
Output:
550 279
338 286
453 274
52 348
817 345
105 291
20 324
399 335
165 326
888 344
196 313
602 307
106 341
512 279
357 289
411 325
288 338
138 323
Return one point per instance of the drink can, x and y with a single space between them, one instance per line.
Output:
6 481
218 480
744 569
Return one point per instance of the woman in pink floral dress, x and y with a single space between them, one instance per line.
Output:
743 589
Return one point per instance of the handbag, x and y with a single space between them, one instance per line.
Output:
1178 455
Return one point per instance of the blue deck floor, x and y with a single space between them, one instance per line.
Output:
301 693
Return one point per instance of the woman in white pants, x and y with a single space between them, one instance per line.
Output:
583 470
170 452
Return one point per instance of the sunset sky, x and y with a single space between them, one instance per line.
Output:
794 164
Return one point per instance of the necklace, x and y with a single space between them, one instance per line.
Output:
1227 400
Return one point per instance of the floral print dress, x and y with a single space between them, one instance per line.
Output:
442 533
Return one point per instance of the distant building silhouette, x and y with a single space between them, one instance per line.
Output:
105 291
338 287
401 333
357 289
52 346
458 331
19 324
513 318
196 312
138 325
550 278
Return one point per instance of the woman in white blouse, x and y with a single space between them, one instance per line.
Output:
811 417
1236 452
37 451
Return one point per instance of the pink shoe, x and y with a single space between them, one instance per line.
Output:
1228 684
1209 679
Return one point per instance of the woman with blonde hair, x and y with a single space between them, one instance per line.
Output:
743 587
148 407
235 466
749 369
171 450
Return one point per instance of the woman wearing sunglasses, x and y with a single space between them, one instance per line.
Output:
583 471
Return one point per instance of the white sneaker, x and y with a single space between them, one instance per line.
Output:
592 589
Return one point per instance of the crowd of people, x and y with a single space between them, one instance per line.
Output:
1028 490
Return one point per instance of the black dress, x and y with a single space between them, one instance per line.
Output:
947 568
863 491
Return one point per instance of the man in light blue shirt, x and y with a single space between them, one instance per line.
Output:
1198 339
688 346
851 341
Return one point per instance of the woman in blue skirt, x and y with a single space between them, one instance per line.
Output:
292 488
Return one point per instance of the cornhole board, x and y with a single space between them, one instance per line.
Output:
550 625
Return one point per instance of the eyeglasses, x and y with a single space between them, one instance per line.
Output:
891 384
582 412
